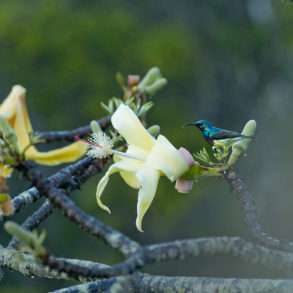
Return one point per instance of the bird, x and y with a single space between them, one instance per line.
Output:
212 133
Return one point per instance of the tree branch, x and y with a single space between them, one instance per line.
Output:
149 283
86 222
27 265
70 135
250 213
69 177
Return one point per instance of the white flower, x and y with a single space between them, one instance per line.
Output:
144 162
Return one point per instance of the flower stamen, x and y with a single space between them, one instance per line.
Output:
101 146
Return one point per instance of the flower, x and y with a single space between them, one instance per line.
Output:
100 145
145 160
13 109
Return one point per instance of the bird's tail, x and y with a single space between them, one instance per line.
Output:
248 136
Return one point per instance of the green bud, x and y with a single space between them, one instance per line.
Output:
152 82
120 79
31 239
152 75
145 108
95 127
156 86
154 130
240 147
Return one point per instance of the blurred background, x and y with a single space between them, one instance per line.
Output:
226 61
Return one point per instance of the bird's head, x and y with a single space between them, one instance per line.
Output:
200 124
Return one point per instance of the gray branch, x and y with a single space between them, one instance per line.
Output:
148 283
64 176
70 135
250 213
27 265
177 250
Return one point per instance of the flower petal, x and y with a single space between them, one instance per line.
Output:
126 165
130 179
58 156
128 125
166 158
148 178
14 110
132 166
187 156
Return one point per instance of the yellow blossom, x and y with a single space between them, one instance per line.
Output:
14 110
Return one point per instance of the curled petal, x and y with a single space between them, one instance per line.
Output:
148 178
128 125
14 110
166 158
61 155
124 165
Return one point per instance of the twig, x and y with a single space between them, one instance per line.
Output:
33 221
120 284
250 213
70 135
71 176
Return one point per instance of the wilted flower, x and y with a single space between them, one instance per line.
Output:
14 111
145 160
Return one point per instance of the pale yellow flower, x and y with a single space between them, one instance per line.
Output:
145 160
14 110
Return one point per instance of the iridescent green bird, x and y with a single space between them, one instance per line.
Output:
211 133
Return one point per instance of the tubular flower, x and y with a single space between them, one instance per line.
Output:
13 109
145 160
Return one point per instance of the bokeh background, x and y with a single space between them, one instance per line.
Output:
226 61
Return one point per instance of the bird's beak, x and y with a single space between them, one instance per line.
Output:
189 124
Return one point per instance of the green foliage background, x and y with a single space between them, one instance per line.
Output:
226 61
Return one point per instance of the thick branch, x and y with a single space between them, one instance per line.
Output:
181 250
176 250
26 264
87 223
148 283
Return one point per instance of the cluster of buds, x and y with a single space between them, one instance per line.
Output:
135 92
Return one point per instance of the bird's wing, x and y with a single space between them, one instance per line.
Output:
223 134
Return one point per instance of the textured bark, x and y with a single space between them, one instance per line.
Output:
143 283
250 213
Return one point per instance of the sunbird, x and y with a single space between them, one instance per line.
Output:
211 133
